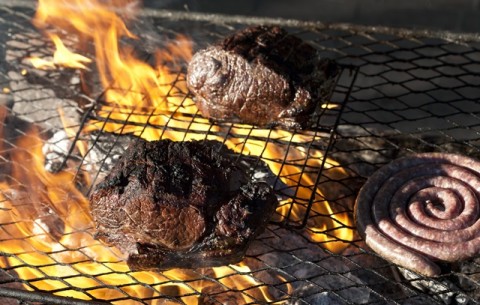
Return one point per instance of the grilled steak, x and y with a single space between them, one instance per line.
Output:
180 205
261 76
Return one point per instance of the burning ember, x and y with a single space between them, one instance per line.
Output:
49 225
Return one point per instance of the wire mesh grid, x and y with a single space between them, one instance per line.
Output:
409 92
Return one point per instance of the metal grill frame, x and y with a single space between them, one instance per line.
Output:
363 128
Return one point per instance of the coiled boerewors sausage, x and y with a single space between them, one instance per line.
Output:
420 209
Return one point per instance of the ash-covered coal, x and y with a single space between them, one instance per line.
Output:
443 290
101 152
316 276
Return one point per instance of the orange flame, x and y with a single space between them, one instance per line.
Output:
140 99
62 57
143 98
130 81
47 230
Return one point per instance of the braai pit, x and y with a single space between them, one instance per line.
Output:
63 128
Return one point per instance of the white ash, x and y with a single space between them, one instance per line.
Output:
106 149
34 103
37 95
354 276
314 273
443 290
321 298
103 151
60 147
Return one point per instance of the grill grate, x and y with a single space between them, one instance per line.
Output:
406 91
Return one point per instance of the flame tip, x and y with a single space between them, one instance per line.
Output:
139 88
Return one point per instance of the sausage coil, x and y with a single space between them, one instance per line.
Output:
421 209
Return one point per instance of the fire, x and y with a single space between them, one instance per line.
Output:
62 57
129 81
47 230
55 237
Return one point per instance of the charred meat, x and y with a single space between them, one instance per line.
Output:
261 76
180 205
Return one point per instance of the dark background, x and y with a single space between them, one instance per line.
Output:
453 15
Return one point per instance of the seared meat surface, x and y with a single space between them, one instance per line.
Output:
262 76
180 205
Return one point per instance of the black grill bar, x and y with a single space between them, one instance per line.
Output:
322 136
327 151
44 298
401 91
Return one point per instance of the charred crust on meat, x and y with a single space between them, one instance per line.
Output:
180 205
262 76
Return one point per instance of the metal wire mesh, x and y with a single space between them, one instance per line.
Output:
406 92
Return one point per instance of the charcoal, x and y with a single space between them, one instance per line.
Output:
180 205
